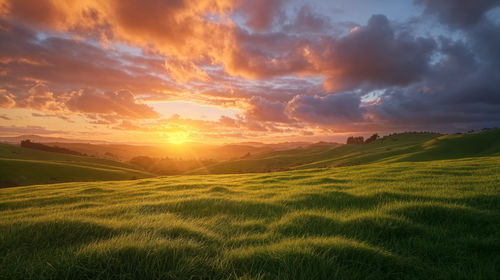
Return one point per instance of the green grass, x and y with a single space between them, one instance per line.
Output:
401 147
435 219
21 166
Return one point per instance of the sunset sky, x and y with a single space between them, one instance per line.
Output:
220 71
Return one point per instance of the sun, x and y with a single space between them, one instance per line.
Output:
178 137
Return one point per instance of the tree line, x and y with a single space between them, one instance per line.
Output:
361 139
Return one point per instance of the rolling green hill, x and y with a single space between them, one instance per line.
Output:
21 166
406 147
395 219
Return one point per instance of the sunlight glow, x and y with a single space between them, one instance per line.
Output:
178 137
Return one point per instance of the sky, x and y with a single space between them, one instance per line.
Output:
224 71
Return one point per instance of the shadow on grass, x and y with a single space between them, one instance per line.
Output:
47 201
369 228
318 258
164 260
449 240
95 191
207 207
51 234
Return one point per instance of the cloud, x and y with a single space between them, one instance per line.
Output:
260 15
460 92
307 20
122 103
191 41
63 64
374 54
263 110
263 56
59 116
183 29
333 109
485 42
29 129
227 121
128 125
6 99
4 117
458 13
39 97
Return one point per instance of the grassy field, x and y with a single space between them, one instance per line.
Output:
435 219
395 148
21 166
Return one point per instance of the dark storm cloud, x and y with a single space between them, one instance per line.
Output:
458 13
376 54
308 21
485 39
461 91
342 108
261 109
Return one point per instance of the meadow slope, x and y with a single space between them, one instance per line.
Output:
22 166
405 147
398 220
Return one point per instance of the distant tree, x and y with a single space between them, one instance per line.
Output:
372 138
355 140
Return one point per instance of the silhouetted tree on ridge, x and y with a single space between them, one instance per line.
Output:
372 138
355 140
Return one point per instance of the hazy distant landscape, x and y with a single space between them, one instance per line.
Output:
22 166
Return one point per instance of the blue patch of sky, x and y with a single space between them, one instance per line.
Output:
359 11
40 36
372 95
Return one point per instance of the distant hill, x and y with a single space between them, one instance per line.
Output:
22 166
404 147
125 152
45 139
53 149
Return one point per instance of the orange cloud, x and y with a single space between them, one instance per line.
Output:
121 103
188 30
6 99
